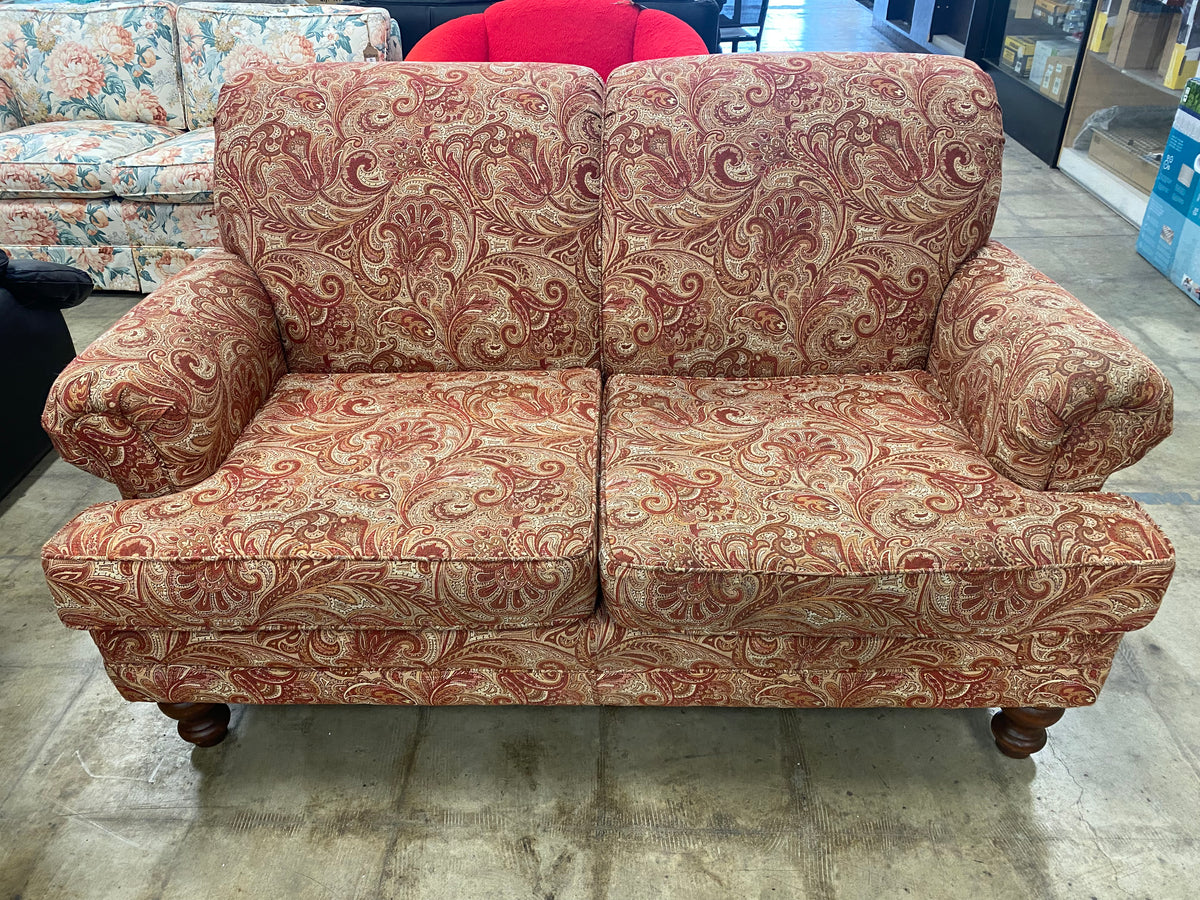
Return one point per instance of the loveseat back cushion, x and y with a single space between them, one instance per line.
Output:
408 217
788 214
218 40
99 61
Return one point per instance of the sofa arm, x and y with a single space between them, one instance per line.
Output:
10 112
1054 396
156 403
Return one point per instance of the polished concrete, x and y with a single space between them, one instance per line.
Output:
99 798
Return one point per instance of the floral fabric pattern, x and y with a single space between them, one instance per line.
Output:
184 225
848 505
220 40
423 216
53 159
111 268
368 500
156 403
790 214
158 265
1056 398
10 111
96 222
115 61
179 170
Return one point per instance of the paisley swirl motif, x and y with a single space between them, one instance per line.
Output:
760 223
1066 686
156 403
364 501
377 526
1057 399
597 644
415 217
848 504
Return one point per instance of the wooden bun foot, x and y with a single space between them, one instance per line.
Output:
1021 730
202 724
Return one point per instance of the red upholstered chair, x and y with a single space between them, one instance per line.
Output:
600 34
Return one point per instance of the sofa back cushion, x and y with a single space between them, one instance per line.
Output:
788 214
218 40
100 61
418 216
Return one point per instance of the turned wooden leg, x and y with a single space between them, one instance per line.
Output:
1021 730
202 724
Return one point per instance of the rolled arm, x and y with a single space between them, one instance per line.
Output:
1055 397
156 403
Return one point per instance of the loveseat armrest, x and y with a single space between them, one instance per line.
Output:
1055 397
10 111
156 403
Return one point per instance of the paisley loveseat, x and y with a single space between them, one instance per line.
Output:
106 140
702 387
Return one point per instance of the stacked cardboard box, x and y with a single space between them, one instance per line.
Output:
1052 12
1105 26
1170 234
1017 53
1046 51
1145 27
1181 57
1056 78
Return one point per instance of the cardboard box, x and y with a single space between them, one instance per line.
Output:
1132 154
1045 51
1017 53
1022 9
1174 195
1181 56
1144 30
1056 79
1103 28
1051 12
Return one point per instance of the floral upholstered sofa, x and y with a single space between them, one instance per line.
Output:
702 387
106 140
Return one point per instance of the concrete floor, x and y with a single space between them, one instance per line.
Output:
100 798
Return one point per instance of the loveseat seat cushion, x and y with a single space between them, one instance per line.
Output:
179 170
407 217
848 505
219 40
70 159
96 61
362 501
795 214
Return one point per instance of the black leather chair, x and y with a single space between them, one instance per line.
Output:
35 345
417 17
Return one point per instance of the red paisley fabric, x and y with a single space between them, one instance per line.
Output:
849 505
598 661
790 214
411 515
364 501
415 217
157 402
1056 398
